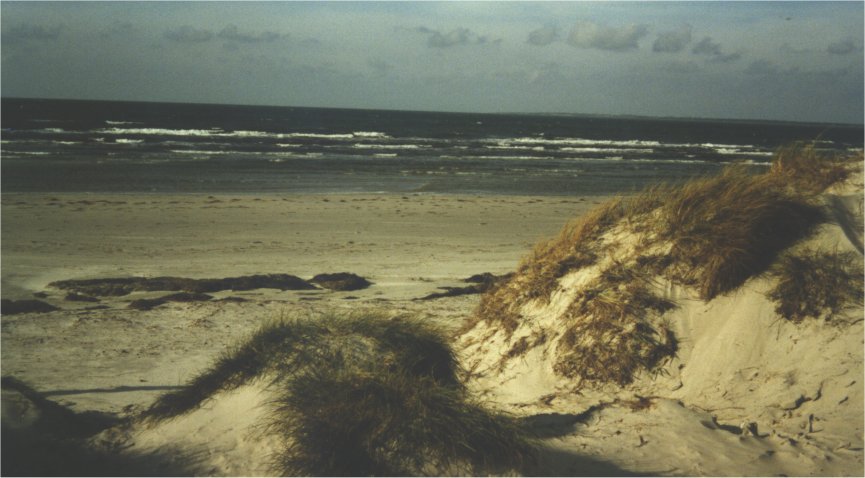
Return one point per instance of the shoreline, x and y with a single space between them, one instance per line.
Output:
51 237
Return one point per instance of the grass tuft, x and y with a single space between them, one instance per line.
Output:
816 284
612 332
727 229
364 394
381 423
810 170
710 234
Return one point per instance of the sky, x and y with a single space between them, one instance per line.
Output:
798 61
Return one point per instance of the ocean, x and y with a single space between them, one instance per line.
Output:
134 147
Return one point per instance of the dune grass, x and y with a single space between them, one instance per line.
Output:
816 284
810 170
362 394
710 234
613 330
729 228
385 423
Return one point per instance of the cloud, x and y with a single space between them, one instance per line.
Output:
543 36
117 29
673 41
707 47
24 32
379 66
187 34
843 47
591 35
767 68
231 33
456 37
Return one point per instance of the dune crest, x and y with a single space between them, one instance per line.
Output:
636 321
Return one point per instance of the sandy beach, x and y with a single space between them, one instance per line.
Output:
664 376
408 246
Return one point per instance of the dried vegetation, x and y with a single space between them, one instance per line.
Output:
816 284
711 235
361 395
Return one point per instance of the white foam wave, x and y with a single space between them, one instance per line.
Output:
128 141
591 149
160 132
219 133
385 155
369 134
387 146
196 151
577 142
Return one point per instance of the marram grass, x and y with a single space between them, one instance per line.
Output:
710 234
815 284
363 394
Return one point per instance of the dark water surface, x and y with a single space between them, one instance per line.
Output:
102 146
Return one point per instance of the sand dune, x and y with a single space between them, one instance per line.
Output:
615 357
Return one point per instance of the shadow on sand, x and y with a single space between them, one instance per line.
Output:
43 438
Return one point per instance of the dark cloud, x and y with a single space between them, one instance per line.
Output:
30 32
766 68
379 66
543 36
188 34
456 37
118 29
231 33
843 47
708 48
673 41
591 35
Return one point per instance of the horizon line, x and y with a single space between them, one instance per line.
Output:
514 113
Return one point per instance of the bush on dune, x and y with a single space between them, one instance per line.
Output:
364 394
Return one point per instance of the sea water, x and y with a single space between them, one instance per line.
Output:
102 146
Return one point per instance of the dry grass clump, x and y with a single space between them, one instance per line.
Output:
613 330
385 423
360 395
809 170
575 247
728 228
291 346
816 284
711 234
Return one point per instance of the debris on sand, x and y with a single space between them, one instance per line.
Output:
147 304
341 281
9 307
126 285
481 283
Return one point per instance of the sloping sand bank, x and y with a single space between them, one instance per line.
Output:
716 382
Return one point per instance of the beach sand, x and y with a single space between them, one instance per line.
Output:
107 359
746 395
